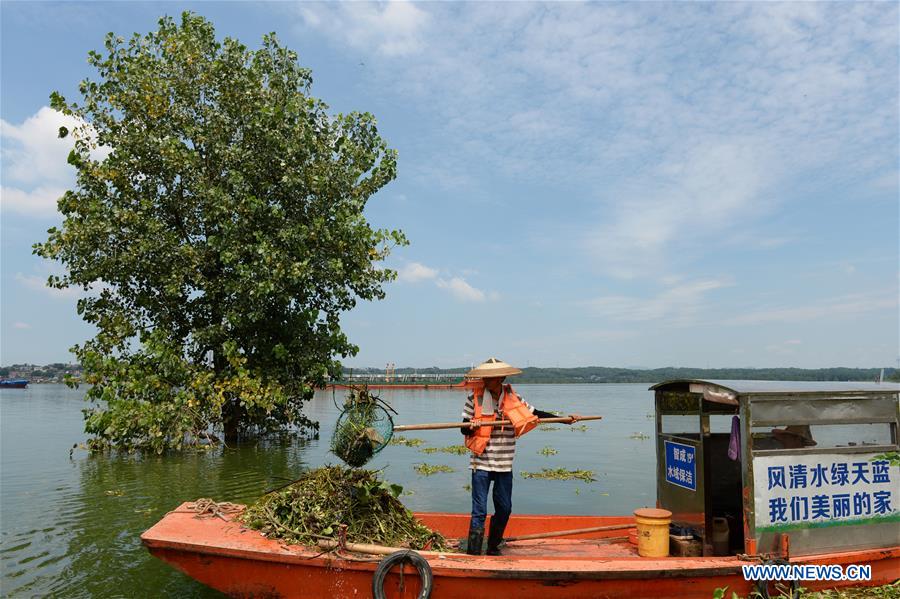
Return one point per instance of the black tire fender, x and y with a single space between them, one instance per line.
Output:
762 586
399 557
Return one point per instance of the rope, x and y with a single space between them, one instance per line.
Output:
207 507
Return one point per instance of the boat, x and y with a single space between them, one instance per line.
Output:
13 383
700 483
240 562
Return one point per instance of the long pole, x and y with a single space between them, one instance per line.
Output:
442 425
570 532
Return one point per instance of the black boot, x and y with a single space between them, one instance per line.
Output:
476 537
495 537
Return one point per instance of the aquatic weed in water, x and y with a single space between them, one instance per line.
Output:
429 469
454 449
407 442
561 474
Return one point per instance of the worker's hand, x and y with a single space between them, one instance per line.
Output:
474 423
573 418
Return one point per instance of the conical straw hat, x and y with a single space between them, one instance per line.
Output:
492 367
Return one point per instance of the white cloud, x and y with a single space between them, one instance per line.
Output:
701 196
40 201
33 152
37 283
462 290
415 272
392 28
34 167
678 304
21 325
458 287
694 123
844 306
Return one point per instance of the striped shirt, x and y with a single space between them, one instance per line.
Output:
501 448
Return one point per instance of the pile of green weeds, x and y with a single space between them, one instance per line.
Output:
325 500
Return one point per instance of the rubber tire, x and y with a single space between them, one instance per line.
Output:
762 586
398 557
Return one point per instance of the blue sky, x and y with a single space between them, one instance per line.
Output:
640 184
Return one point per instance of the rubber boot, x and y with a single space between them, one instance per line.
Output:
476 538
495 537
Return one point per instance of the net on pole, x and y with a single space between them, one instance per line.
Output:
363 429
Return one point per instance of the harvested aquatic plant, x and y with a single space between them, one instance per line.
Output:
548 451
363 429
429 469
454 449
640 436
581 428
401 440
316 507
561 474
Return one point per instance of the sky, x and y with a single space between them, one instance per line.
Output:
618 184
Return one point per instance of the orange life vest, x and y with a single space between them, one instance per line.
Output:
513 409
477 441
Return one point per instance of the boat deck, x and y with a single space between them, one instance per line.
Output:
570 548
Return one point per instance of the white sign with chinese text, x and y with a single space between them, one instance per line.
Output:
809 491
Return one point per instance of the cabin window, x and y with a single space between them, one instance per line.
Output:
720 423
821 436
678 424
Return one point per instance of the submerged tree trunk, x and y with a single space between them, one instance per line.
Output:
231 420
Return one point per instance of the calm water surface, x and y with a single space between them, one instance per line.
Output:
69 526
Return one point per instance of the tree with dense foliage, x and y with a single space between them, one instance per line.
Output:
217 229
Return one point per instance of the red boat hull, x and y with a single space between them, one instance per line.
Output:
242 563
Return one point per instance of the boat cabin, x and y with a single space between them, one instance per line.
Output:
752 467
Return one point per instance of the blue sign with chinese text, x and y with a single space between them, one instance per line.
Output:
681 465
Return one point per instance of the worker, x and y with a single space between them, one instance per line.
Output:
493 447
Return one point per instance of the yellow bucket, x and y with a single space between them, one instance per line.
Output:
653 531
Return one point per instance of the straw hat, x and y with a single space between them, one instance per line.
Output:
798 430
492 367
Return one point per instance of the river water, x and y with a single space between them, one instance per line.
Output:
70 525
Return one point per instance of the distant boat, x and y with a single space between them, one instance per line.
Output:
13 384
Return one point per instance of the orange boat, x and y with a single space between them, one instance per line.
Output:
242 563
812 493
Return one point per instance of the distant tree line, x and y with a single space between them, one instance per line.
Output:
56 371
603 374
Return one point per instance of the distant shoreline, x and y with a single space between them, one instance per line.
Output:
434 377
604 374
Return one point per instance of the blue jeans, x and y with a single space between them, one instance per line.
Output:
481 480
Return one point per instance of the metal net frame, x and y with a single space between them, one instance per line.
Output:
364 427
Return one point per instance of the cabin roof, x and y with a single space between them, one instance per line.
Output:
781 387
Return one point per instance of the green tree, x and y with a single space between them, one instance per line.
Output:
217 223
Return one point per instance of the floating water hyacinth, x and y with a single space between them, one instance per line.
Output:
454 449
429 469
408 442
561 474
